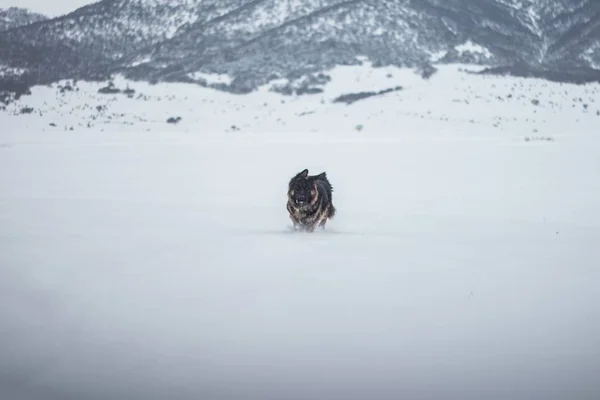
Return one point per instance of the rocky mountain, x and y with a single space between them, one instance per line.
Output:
87 41
536 32
254 41
14 17
272 38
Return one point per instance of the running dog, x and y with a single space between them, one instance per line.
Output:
309 201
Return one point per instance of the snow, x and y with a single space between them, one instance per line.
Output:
589 56
462 263
211 78
437 55
268 14
534 22
473 48
140 61
178 14
8 70
444 104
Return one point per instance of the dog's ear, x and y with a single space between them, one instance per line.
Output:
303 174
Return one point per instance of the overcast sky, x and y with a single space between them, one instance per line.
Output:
50 8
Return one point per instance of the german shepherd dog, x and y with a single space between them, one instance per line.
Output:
309 201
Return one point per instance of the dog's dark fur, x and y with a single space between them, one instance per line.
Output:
310 201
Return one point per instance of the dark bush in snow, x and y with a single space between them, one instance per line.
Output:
354 97
174 120
426 70
110 89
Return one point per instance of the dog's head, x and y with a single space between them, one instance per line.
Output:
302 190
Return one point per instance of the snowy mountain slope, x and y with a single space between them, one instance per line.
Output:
544 32
14 17
260 40
494 24
462 263
267 40
576 33
89 39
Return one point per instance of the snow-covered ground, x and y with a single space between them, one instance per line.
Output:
452 102
463 262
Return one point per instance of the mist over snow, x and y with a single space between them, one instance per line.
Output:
146 250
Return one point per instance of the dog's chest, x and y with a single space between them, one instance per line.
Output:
305 215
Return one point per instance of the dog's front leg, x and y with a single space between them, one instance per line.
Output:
310 228
294 222
322 223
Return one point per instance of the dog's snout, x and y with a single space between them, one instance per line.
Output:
301 197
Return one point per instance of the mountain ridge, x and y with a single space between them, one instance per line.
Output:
14 17
257 41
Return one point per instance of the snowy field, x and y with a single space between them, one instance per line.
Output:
144 260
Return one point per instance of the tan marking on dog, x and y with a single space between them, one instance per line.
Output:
315 194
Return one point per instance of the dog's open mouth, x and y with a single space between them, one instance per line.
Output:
300 202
